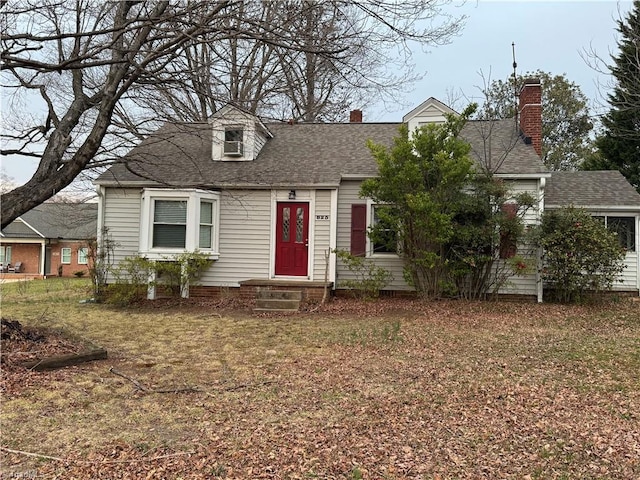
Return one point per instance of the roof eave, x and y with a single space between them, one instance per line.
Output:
621 208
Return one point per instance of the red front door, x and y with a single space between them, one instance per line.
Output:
292 239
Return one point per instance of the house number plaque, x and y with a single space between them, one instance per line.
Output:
322 217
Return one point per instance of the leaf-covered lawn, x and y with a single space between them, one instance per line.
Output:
391 389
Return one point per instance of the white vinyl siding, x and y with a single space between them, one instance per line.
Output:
122 221
348 195
245 222
525 284
321 220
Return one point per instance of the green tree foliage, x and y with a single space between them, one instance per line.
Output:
579 254
487 230
447 217
422 179
619 145
565 116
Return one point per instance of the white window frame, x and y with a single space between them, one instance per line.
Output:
62 250
5 255
193 197
370 222
83 252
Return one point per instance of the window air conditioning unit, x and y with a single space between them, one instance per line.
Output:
233 148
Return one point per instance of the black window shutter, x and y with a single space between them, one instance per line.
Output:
358 229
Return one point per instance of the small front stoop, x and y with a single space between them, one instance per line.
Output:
277 300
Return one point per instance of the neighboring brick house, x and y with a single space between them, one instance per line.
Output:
50 240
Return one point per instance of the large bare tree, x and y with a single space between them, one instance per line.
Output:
83 78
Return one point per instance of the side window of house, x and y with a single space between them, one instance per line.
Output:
169 223
65 255
387 238
625 227
205 239
82 256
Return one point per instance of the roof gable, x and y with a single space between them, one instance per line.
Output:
431 108
72 221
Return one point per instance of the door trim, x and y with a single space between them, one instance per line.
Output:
282 196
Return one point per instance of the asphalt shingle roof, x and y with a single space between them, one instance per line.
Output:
71 221
304 154
594 188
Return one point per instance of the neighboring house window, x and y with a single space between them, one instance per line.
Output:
388 243
175 221
233 141
169 223
83 256
5 255
65 256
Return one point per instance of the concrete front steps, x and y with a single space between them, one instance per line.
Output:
268 300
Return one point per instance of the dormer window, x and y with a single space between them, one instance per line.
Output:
233 142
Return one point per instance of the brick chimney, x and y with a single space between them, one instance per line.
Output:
530 111
355 116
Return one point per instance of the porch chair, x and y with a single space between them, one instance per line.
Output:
16 268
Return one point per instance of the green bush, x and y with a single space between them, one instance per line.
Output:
172 274
131 280
370 278
579 254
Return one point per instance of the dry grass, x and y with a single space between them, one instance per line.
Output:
391 389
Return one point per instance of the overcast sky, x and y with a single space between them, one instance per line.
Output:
549 36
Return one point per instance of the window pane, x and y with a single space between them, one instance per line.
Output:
66 255
172 236
82 256
286 221
233 135
205 236
170 211
625 227
299 225
387 241
5 255
170 223
206 213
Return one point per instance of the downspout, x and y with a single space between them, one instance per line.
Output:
333 237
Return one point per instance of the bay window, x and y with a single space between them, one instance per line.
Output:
178 221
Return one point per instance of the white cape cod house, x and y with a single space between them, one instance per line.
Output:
268 202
